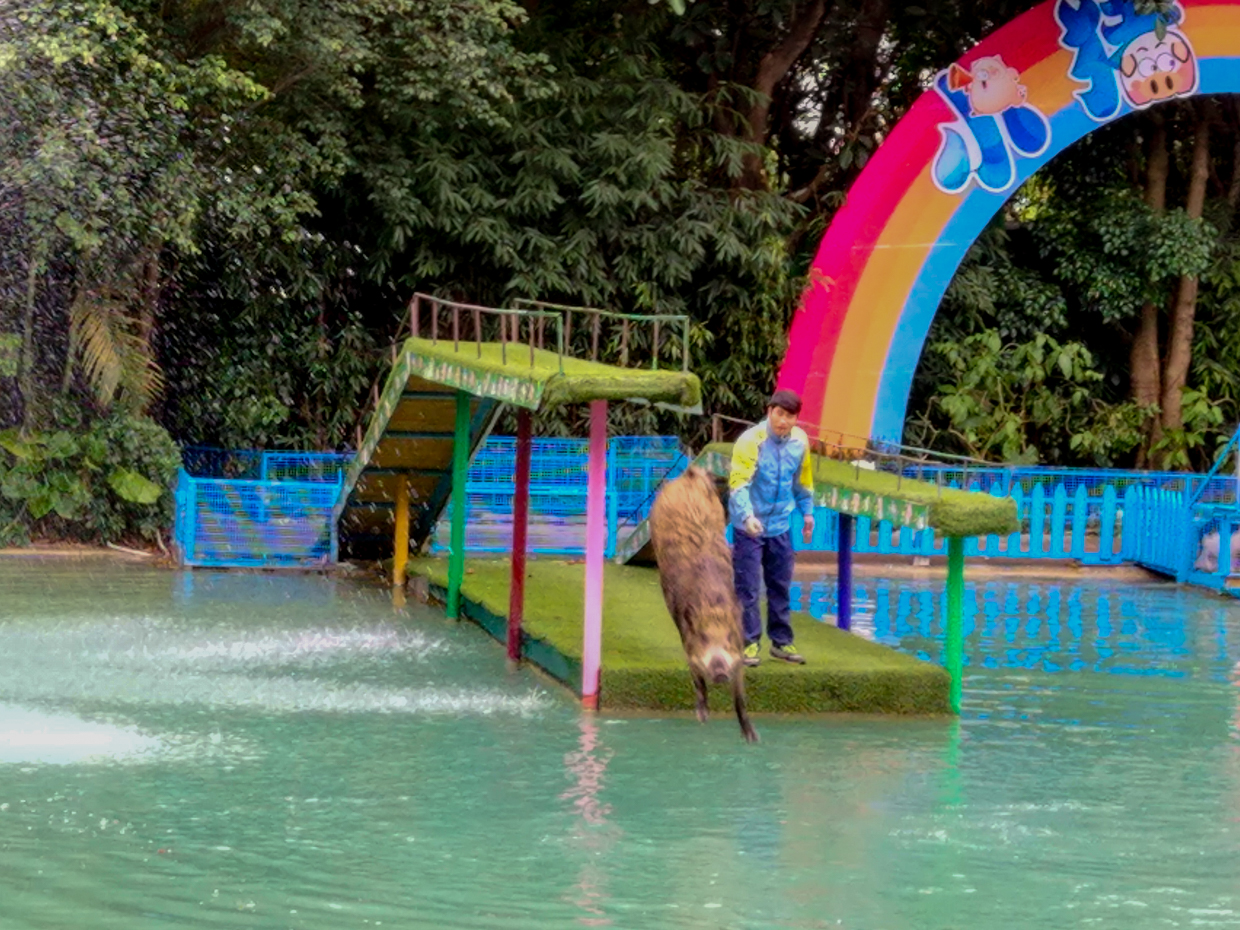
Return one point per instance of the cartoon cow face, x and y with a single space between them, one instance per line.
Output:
1156 69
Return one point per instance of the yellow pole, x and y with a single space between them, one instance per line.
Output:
401 556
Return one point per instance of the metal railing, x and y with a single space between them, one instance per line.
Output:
637 466
503 325
587 323
250 522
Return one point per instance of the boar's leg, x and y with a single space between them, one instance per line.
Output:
742 715
699 688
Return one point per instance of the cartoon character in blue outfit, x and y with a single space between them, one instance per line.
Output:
1122 55
993 121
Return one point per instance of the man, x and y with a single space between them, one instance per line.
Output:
771 476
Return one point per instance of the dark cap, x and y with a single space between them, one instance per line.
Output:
786 400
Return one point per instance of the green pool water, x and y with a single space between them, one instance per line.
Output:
243 750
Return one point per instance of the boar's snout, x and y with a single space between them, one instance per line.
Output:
720 669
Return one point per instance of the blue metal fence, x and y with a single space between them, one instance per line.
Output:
245 522
245 508
636 466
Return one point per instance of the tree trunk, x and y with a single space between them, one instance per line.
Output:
1180 337
861 76
1233 189
1143 359
772 69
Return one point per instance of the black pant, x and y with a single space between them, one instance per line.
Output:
772 558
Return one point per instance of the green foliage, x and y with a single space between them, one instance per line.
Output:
1114 254
1026 402
1203 435
111 481
277 374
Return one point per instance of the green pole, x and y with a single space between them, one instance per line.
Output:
954 646
460 465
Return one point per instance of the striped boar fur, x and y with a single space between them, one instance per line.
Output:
687 526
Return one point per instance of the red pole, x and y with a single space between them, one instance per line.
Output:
520 523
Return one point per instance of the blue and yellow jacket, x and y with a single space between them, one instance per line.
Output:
770 477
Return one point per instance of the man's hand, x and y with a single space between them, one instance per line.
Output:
753 526
807 531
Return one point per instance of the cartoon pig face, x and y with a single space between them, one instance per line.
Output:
994 87
1157 69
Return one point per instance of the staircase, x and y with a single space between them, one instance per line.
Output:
409 438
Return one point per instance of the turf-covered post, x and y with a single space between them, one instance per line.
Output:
400 543
954 645
596 543
843 615
460 465
520 525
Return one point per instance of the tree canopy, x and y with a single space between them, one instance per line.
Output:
215 212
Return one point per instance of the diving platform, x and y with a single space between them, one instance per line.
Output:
643 661
410 438
449 380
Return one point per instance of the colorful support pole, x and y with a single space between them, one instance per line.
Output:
400 551
460 465
954 645
596 544
843 617
520 525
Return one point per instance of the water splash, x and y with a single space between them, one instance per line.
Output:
30 736
144 663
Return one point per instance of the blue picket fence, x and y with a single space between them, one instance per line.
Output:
1213 488
1064 513
1191 542
251 508
1054 524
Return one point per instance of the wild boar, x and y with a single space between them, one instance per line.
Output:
1207 555
687 527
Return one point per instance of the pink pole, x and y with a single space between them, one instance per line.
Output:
520 526
596 543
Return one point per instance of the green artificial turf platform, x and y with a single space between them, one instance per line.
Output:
539 378
644 665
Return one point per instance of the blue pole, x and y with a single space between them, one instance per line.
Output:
844 580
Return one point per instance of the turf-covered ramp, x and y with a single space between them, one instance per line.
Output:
861 492
644 665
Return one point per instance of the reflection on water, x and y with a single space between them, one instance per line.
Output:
295 751
1100 626
592 834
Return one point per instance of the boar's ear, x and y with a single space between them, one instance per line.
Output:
1128 65
1180 50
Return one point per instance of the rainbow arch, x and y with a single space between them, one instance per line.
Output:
937 180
